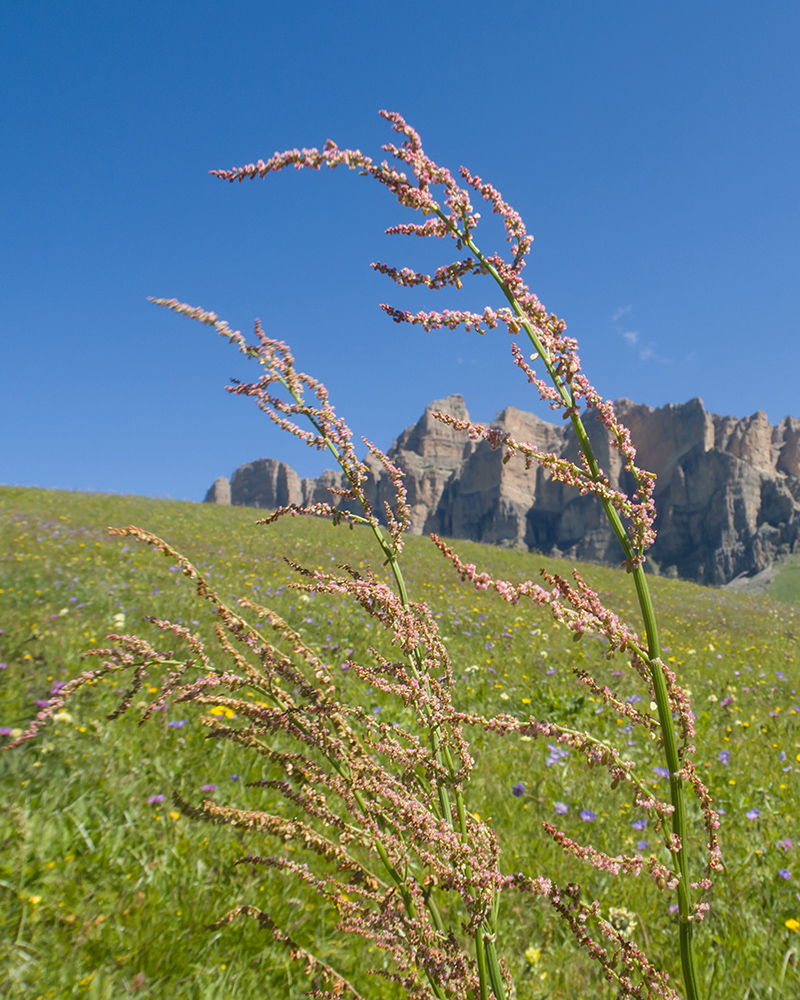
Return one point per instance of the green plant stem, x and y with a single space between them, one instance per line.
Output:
648 617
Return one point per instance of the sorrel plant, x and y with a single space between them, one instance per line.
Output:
391 841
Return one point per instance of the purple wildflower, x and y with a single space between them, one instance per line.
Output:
642 845
785 874
662 772
178 723
154 800
5 731
588 816
725 757
753 813
785 844
208 788
639 824
561 808
518 790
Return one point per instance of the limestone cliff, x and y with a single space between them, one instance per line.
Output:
727 492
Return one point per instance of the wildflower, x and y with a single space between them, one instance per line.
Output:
208 788
561 808
178 723
518 790
639 824
642 845
222 710
662 772
724 757
234 777
785 844
5 731
753 813
785 874
792 924
154 800
623 921
555 755
588 816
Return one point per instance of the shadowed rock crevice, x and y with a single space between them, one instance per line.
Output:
727 492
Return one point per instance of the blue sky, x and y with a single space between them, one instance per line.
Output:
652 148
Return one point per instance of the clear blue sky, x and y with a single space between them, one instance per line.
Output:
652 148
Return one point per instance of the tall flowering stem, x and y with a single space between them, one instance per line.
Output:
358 787
566 388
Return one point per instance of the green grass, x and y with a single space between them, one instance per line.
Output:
786 586
104 895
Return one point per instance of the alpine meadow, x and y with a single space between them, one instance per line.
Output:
316 755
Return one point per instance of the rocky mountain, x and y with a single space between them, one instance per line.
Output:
727 492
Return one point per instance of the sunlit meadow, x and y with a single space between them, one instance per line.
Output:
107 888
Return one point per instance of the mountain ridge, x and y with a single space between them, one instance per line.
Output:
727 489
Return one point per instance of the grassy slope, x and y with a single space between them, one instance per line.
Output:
786 586
102 893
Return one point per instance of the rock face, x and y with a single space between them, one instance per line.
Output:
219 491
727 492
431 454
266 483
